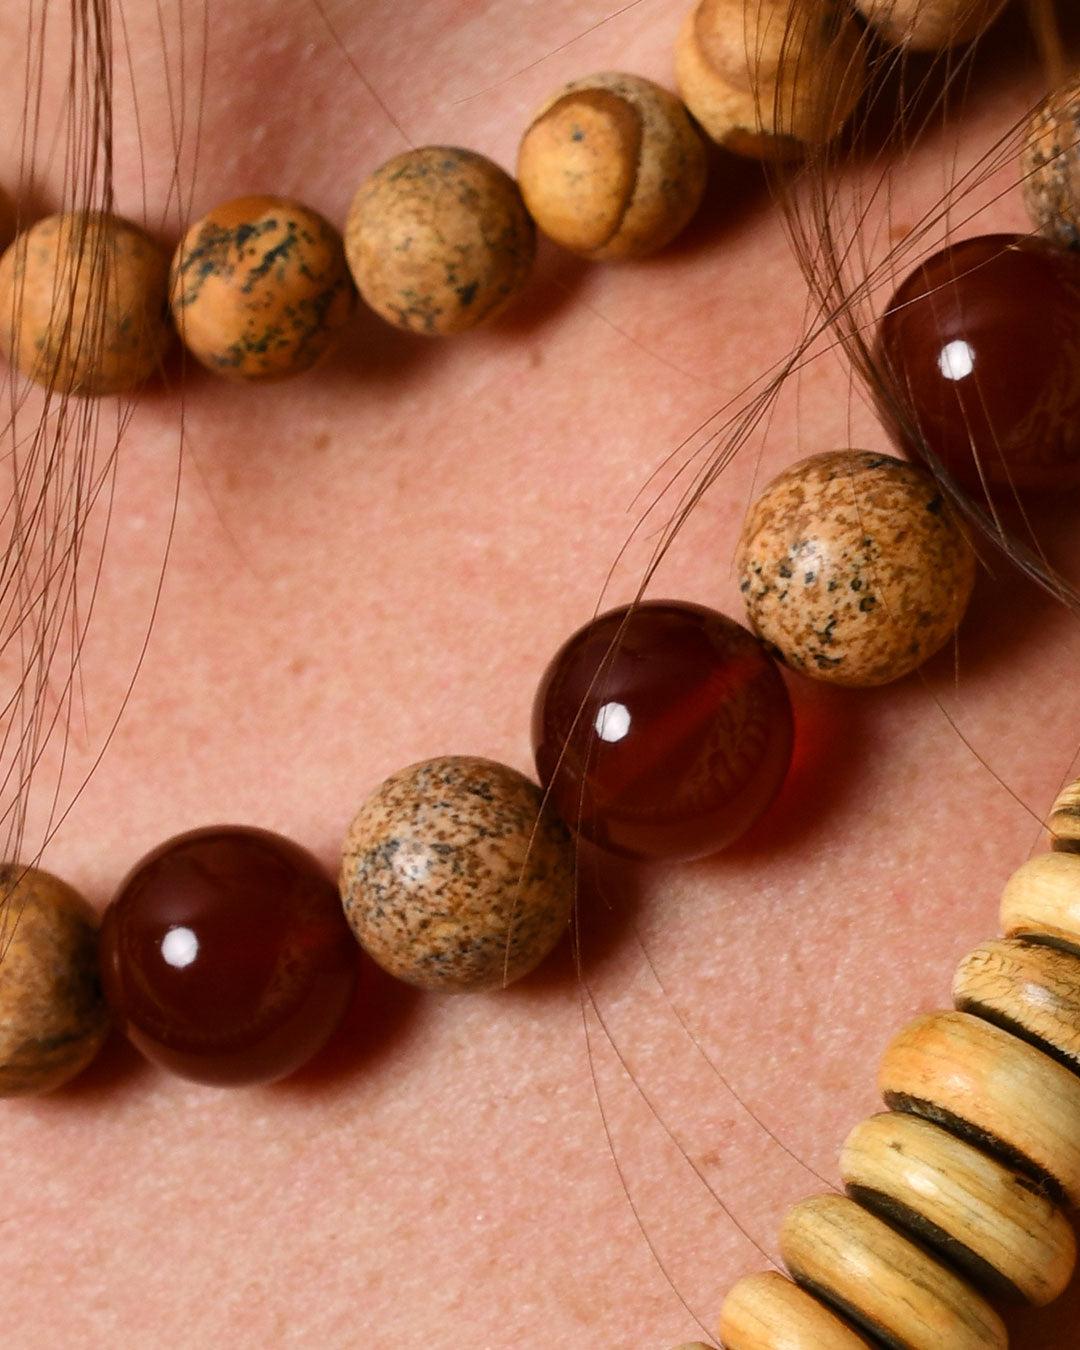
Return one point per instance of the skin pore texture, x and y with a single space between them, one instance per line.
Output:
371 566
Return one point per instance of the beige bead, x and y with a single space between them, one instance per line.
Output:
53 1017
611 167
1041 900
766 78
439 240
1029 989
929 25
452 878
978 1080
883 1281
83 304
1050 165
1000 1230
768 1312
1064 822
260 288
853 568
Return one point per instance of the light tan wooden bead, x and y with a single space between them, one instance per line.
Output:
882 1280
768 1312
1064 822
973 1077
1041 900
83 304
929 25
1000 1230
611 167
1028 988
766 78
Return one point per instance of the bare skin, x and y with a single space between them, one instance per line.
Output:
371 566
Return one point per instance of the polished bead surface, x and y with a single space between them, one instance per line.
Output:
663 731
981 348
225 956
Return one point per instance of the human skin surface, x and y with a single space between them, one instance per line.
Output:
371 566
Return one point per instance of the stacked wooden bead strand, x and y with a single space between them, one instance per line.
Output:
955 1195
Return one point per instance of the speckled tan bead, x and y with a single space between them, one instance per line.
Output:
1042 900
53 1017
766 78
989 1222
1064 822
83 304
451 877
929 25
853 568
611 167
978 1080
439 240
883 1281
1050 165
260 288
768 1312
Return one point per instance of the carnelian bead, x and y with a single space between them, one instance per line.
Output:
981 350
225 956
663 730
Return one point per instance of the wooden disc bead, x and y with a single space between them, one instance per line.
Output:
611 167
260 288
768 1312
1041 900
981 1082
1050 165
991 1223
439 240
883 1281
929 25
83 304
766 78
853 567
453 878
1064 822
53 1016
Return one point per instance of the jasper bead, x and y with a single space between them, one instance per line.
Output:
225 956
455 877
260 288
980 350
853 568
662 731
1050 166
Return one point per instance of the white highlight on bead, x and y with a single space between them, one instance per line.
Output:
612 721
179 947
956 360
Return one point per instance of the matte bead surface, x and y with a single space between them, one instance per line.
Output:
853 568
883 1281
768 1312
1050 166
611 167
1064 822
439 241
981 345
53 1017
663 731
225 956
260 288
976 1079
453 877
993 1224
929 25
83 304
1041 900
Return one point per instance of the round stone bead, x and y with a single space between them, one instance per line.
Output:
225 956
260 288
662 730
853 567
53 1017
980 351
1050 165
439 241
455 877
83 304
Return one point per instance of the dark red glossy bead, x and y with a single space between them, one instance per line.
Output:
663 731
981 347
226 957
